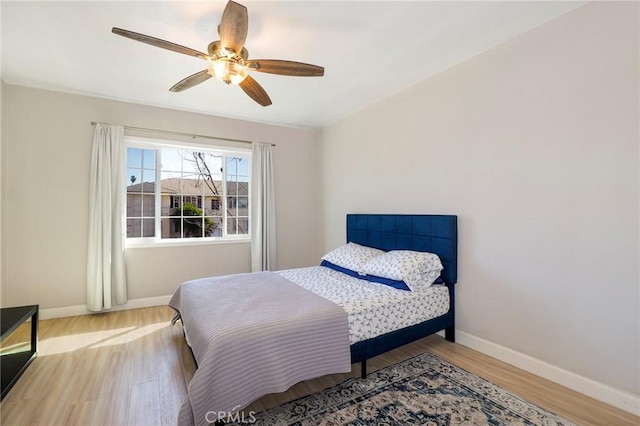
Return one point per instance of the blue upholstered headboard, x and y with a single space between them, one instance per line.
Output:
431 233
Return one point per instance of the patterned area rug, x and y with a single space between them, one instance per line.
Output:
424 390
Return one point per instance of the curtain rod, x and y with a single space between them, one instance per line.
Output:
169 132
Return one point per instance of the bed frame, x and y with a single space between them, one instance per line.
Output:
430 233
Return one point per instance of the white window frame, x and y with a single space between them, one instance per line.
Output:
158 241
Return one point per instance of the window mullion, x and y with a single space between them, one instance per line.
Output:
158 196
203 209
225 207
181 194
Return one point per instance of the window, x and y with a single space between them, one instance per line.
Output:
184 192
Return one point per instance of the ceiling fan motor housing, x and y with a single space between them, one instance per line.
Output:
225 64
217 51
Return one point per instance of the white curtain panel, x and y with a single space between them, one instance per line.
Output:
263 210
106 277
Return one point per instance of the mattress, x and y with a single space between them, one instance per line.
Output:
373 309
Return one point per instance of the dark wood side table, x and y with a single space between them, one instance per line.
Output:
13 364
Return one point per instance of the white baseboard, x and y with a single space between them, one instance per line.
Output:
74 311
607 394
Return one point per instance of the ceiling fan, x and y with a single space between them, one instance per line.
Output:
228 58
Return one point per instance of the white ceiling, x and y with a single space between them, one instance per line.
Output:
370 50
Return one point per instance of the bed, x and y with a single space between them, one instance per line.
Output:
427 233
308 337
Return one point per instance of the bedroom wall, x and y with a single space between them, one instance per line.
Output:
534 144
45 198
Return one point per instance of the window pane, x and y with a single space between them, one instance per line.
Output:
134 180
232 166
213 165
176 209
148 205
232 203
148 176
214 206
232 228
209 173
134 157
232 187
214 227
243 188
134 205
149 157
133 228
243 225
148 227
170 190
192 162
243 206
170 228
243 169
171 159
192 227
237 226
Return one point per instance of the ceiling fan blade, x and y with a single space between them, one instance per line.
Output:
275 66
255 91
192 80
234 26
159 43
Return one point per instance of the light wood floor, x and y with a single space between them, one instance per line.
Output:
132 367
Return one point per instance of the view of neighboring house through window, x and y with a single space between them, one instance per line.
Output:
178 193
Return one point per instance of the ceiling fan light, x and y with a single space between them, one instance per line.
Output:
227 71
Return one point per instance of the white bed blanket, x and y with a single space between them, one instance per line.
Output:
255 334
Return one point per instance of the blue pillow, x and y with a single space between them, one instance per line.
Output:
400 285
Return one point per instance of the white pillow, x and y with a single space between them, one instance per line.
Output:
352 256
417 269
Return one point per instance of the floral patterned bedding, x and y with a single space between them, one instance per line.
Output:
373 309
